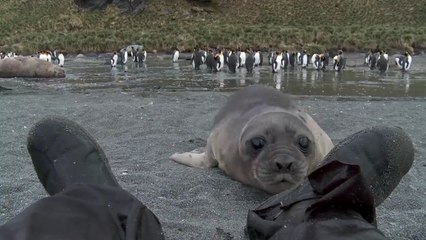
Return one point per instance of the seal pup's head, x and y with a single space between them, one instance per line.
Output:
280 148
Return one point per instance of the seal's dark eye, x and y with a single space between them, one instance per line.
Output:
257 143
304 143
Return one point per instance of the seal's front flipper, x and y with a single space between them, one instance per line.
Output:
196 158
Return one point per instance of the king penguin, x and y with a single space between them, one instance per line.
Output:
276 63
232 62
61 59
404 62
251 61
114 60
175 56
382 62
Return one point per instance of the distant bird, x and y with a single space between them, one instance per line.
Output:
197 59
367 57
276 62
404 62
324 59
304 59
242 59
316 61
383 62
61 59
210 61
372 61
251 61
339 61
286 59
271 56
142 56
175 56
292 59
232 62
220 61
114 60
124 55
257 59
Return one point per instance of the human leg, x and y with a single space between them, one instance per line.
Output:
337 201
86 201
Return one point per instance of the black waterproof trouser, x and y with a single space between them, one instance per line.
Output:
85 212
334 203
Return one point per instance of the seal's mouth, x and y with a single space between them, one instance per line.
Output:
270 178
280 170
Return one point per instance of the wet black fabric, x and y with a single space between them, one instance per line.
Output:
333 203
85 212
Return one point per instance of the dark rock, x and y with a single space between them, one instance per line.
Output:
92 4
133 6
4 89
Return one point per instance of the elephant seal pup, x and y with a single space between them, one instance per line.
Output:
261 138
29 67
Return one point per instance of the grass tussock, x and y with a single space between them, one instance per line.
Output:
358 25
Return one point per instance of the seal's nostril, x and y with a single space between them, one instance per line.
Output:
289 166
284 166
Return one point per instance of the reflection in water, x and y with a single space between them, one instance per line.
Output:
161 73
220 79
176 66
406 79
256 76
277 80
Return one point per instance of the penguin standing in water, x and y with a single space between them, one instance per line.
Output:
372 61
299 57
242 59
383 62
204 57
286 59
256 56
339 61
232 62
304 59
404 62
210 61
368 57
316 61
197 60
226 54
282 62
123 56
220 61
325 59
136 55
142 55
276 63
251 61
61 59
292 59
271 56
55 56
114 60
175 55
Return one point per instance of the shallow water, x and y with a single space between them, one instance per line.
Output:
160 73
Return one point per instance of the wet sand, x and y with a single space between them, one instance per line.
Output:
140 130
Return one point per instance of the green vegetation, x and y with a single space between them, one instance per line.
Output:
27 26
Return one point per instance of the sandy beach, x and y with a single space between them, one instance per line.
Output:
140 130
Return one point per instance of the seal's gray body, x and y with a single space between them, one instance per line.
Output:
265 116
29 67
